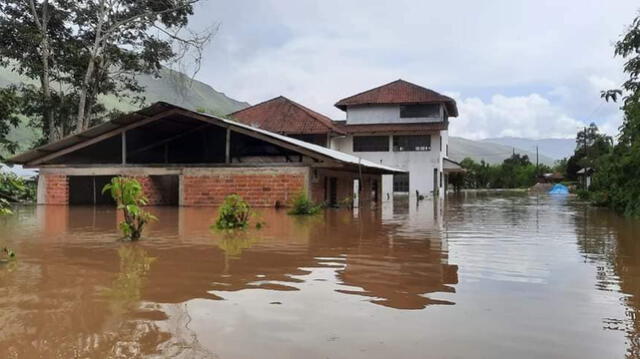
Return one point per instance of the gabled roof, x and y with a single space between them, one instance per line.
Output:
399 92
159 109
282 115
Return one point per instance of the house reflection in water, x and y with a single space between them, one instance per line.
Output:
78 288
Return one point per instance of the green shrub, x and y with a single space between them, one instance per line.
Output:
303 206
234 213
14 188
129 196
5 208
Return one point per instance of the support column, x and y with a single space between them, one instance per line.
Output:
124 148
227 147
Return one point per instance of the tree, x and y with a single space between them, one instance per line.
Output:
590 146
9 105
78 50
122 38
33 36
617 178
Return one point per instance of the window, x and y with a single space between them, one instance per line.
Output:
413 111
401 183
371 144
412 143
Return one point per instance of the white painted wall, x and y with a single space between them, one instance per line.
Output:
420 164
369 114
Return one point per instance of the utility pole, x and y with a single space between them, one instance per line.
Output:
537 162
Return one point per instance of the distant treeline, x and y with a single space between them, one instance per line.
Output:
516 171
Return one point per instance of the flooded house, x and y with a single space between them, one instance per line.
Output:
399 124
186 158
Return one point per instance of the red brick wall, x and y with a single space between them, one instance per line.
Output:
56 189
156 192
260 189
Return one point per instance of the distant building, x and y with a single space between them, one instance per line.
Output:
399 124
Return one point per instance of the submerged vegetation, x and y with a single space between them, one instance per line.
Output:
5 207
302 205
14 188
129 196
234 213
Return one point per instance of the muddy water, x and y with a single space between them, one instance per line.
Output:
481 277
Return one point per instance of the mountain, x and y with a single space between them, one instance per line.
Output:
172 86
556 148
493 153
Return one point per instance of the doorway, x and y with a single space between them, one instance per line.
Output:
333 191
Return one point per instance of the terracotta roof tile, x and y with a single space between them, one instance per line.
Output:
282 115
399 92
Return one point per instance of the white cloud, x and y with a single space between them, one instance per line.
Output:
522 68
531 116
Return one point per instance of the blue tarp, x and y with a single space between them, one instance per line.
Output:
559 189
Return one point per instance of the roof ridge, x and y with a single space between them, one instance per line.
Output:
365 91
258 104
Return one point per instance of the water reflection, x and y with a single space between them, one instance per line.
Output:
76 291
612 243
490 276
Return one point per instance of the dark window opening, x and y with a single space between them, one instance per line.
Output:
374 190
401 183
412 143
413 111
371 144
87 190
333 191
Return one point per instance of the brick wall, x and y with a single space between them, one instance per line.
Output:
56 189
261 188
158 190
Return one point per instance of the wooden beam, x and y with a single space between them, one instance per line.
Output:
169 139
124 147
102 137
258 135
227 147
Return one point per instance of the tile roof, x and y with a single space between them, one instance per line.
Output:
281 115
399 92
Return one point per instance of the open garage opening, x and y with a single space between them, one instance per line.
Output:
161 190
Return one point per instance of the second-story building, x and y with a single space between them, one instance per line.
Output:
399 124
404 125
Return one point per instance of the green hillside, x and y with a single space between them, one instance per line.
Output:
173 87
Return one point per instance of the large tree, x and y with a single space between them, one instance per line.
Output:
78 50
617 178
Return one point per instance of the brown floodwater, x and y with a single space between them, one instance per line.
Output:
501 276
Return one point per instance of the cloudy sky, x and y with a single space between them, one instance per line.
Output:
516 68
